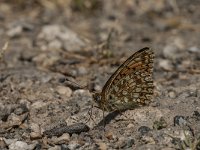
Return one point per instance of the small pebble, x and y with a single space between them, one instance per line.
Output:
38 146
9 141
102 146
68 39
38 105
36 132
179 120
192 93
130 125
20 145
55 44
166 65
81 92
66 91
15 31
14 120
109 135
35 135
2 144
73 145
61 80
21 109
174 49
158 125
130 142
54 148
194 49
144 130
82 71
172 94
197 115
121 143
65 138
64 147
169 51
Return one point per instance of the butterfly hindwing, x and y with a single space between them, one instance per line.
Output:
131 85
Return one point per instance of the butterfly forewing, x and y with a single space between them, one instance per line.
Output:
131 85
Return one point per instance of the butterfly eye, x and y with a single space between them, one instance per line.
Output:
97 97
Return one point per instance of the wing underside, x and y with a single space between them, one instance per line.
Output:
132 83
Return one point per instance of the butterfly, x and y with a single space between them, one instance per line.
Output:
130 86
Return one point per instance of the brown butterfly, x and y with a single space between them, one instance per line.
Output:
131 85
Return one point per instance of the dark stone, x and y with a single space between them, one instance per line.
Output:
61 80
160 124
196 114
38 147
179 120
64 147
144 130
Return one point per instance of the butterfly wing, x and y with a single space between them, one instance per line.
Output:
132 83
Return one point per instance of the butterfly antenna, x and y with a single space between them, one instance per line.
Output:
81 86
108 40
2 51
78 85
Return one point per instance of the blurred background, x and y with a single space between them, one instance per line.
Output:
53 34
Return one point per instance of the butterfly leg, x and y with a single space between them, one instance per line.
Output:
90 114
104 121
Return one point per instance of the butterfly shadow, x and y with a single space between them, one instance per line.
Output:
108 118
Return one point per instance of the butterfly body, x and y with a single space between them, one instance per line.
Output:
131 85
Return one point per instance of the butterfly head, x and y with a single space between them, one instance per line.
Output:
97 97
